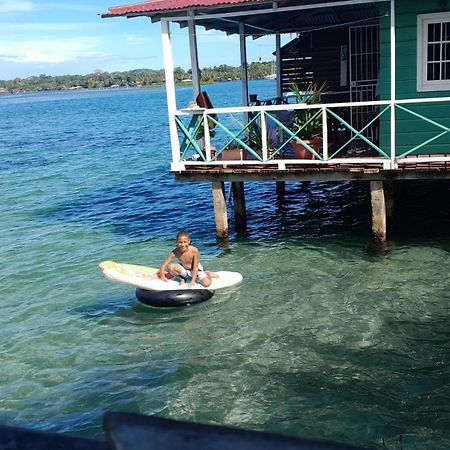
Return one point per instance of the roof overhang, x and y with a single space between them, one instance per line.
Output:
261 17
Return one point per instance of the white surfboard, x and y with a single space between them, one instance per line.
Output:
146 277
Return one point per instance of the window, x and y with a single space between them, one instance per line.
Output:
433 52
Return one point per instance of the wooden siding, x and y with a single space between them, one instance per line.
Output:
313 57
411 131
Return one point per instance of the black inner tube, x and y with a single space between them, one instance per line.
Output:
177 297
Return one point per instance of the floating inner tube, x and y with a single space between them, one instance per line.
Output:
176 297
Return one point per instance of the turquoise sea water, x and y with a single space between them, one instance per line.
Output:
325 338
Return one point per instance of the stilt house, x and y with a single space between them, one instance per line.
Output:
372 81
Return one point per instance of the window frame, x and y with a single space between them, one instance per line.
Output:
423 20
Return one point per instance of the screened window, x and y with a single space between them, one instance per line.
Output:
433 52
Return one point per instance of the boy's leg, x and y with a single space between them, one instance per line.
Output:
205 279
177 270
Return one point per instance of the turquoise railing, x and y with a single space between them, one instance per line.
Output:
262 118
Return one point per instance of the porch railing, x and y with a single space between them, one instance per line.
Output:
264 135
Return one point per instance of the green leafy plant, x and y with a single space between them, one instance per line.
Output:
254 137
308 121
201 130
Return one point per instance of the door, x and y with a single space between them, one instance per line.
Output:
364 52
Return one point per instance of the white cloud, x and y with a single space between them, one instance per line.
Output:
216 36
135 39
46 26
9 6
48 51
70 6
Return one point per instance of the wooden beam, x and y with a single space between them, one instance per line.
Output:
378 212
240 214
220 209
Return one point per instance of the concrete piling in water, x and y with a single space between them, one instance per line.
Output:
220 209
378 201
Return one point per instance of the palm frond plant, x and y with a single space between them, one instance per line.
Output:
307 123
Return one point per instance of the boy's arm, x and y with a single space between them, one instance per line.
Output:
162 268
195 260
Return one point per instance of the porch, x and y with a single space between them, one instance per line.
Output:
372 122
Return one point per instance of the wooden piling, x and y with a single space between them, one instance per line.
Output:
240 214
378 212
220 209
281 189
389 198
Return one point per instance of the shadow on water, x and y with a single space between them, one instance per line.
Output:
110 310
421 209
145 208
104 307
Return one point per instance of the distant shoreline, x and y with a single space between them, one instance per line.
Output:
141 78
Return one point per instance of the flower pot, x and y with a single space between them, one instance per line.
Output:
301 152
233 154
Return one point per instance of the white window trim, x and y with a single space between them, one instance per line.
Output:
423 85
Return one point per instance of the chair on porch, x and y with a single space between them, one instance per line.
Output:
195 131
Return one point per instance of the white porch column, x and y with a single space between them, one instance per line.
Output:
170 92
244 77
278 63
194 55
393 93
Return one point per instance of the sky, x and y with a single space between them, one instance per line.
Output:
60 37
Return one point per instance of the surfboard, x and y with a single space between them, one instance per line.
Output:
144 277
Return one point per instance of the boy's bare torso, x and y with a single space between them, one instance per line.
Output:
186 258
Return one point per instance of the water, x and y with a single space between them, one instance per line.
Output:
326 338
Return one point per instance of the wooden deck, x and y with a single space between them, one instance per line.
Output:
407 170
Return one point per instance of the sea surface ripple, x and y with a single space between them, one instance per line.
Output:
326 338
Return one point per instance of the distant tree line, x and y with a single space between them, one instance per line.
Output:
133 78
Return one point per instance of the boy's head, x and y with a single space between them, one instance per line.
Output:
183 234
183 240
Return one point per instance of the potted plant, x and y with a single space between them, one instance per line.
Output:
254 139
233 152
307 124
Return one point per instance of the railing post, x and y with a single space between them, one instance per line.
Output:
324 134
264 135
207 136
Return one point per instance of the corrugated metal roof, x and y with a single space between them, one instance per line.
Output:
169 5
256 24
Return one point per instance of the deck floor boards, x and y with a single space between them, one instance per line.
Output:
338 171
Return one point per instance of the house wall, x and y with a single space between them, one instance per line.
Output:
411 131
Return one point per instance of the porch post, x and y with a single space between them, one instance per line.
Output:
194 54
280 185
378 212
278 63
244 76
220 209
170 92
238 187
393 93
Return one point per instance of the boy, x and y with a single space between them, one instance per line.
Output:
189 266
